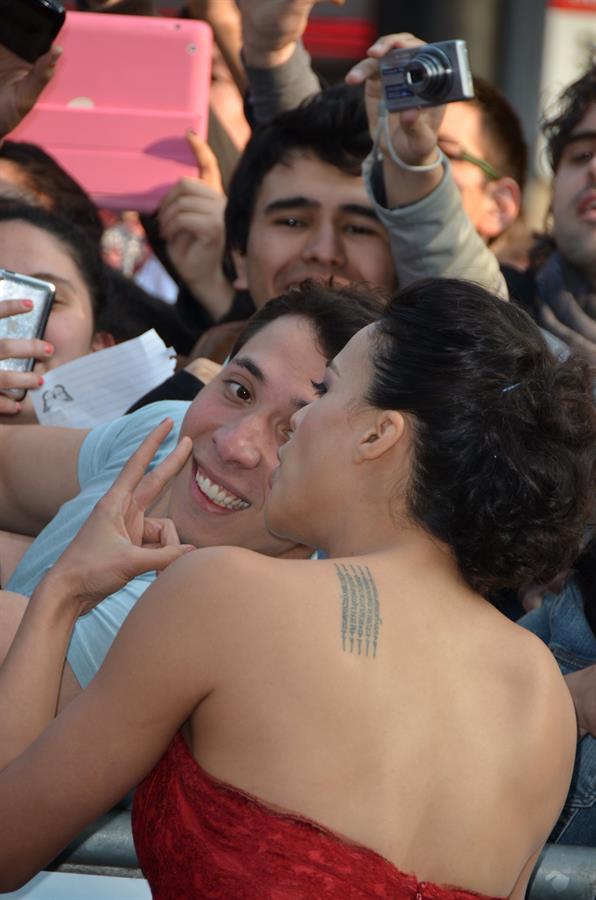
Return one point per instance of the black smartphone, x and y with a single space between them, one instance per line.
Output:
28 27
27 325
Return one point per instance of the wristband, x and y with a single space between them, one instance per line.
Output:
384 125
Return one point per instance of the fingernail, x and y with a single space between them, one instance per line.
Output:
18 407
48 349
27 304
40 380
376 46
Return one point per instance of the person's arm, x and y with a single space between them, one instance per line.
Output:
53 781
38 473
224 18
430 233
277 66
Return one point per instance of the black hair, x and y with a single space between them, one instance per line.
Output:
48 181
506 147
504 452
332 126
571 108
336 314
129 310
84 253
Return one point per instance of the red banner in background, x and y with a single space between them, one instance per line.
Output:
584 6
339 38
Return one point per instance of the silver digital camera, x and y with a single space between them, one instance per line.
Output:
429 75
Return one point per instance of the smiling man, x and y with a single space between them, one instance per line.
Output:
51 478
297 208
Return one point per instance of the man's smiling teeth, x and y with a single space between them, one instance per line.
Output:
218 495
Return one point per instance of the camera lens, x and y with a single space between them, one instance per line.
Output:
430 74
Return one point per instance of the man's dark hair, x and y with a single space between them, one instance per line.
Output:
47 180
332 126
336 314
571 108
506 147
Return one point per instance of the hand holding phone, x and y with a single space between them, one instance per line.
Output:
29 27
23 318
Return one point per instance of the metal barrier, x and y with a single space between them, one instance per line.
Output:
106 848
564 873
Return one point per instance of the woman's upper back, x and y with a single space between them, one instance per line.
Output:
391 705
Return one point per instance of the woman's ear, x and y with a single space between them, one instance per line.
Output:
102 340
386 430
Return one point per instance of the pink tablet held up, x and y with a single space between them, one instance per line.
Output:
125 92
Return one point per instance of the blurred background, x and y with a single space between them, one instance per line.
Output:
529 49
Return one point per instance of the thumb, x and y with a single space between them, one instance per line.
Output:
45 67
209 171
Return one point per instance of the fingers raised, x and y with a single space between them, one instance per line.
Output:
134 470
154 482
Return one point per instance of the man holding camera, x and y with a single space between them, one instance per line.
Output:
482 139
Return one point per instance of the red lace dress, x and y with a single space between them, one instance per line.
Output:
197 837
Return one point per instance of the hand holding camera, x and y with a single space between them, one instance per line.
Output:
413 130
413 80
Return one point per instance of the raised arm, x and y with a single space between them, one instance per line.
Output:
431 235
277 66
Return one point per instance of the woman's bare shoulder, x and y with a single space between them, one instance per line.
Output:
227 577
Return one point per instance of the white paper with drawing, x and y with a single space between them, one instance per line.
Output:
101 386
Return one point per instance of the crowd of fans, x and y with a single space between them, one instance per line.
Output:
365 724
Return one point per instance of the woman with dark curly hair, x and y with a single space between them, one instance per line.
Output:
364 726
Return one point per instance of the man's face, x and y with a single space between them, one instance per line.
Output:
237 424
462 127
574 197
311 220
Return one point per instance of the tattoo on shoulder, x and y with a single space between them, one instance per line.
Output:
360 610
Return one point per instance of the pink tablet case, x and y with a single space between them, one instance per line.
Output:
125 92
